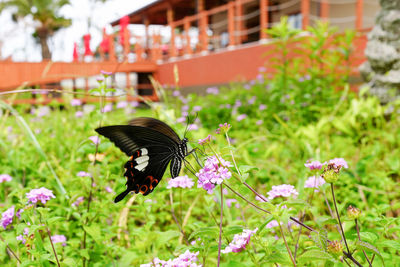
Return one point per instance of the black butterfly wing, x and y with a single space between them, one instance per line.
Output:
145 169
156 125
131 138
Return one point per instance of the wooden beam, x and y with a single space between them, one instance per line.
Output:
359 14
186 27
305 13
231 23
263 18
324 10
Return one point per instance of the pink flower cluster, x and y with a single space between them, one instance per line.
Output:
283 190
7 217
314 182
180 181
223 128
22 237
78 201
59 239
41 194
239 241
316 165
213 173
187 259
5 178
205 140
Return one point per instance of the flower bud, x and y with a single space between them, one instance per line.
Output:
335 247
330 176
353 213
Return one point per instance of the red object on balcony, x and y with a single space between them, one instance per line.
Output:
105 43
123 22
86 42
75 54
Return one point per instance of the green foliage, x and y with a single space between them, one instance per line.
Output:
36 151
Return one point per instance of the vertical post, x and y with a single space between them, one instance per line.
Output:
112 47
203 31
186 27
359 14
263 18
239 22
170 19
231 23
128 81
324 10
305 13
146 34
126 43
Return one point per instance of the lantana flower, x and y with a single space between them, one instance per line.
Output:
7 217
239 241
59 239
213 173
180 181
283 190
314 165
314 182
205 140
339 163
187 259
5 178
41 194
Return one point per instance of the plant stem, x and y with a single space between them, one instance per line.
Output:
220 225
359 238
176 219
9 249
286 245
338 218
52 245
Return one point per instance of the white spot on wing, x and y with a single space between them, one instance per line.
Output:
142 159
144 151
141 166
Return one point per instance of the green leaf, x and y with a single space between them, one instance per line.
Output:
316 254
54 219
390 244
231 230
209 232
247 168
164 237
277 257
362 245
94 231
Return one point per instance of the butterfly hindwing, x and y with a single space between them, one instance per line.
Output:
144 170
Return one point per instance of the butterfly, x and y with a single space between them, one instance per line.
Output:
151 145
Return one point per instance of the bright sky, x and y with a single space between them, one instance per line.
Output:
16 40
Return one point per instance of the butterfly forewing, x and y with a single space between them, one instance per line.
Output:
151 145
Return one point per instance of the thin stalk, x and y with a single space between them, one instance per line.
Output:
338 218
220 226
9 249
52 245
286 245
359 238
176 219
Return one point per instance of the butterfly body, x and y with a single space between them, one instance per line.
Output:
151 145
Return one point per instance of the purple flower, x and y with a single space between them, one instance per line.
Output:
241 117
239 241
212 90
184 114
76 102
229 202
83 174
185 108
78 201
18 214
95 139
283 190
252 82
79 114
88 108
107 108
7 217
193 127
247 86
22 237
238 103
100 79
180 181
187 259
181 119
260 78
41 194
213 173
205 140
259 122
176 93
59 239
135 104
43 111
122 104
314 165
252 100
197 108
106 73
262 69
223 127
262 107
109 189
5 178
339 162
314 182
272 224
